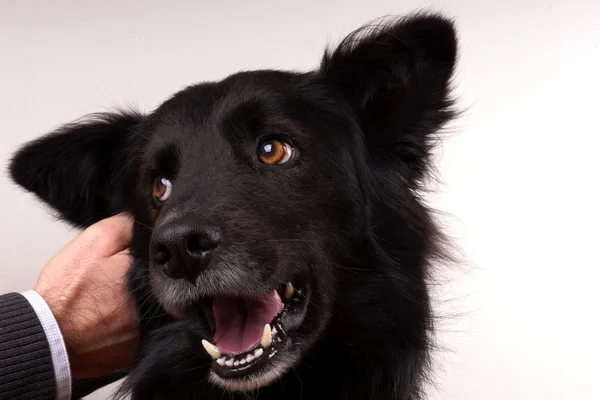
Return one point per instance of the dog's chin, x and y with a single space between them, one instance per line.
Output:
252 338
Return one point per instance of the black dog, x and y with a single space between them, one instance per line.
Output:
281 245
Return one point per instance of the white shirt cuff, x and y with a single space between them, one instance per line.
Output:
58 350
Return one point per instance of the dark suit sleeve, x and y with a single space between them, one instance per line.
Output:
26 370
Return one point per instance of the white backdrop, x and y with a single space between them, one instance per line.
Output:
520 176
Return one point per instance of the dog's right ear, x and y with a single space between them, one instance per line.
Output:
84 169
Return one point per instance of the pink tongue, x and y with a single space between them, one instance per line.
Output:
240 321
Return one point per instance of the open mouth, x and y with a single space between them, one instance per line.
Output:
251 333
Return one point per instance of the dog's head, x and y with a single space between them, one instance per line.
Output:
255 195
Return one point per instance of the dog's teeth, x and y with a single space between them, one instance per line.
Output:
249 357
289 291
221 361
211 349
236 363
258 352
229 362
266 339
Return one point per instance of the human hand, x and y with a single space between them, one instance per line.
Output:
85 286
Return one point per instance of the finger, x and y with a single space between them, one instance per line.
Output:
117 231
124 218
124 260
124 252
124 224
121 262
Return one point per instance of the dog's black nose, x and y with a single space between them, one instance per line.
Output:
183 250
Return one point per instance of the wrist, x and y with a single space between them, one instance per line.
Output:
60 305
58 350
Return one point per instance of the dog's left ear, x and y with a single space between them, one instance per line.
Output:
396 76
83 170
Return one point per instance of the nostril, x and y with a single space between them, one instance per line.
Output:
202 242
162 255
193 245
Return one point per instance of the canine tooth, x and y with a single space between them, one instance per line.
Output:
258 352
289 291
265 340
211 349
221 361
229 362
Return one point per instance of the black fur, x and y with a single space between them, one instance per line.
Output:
345 213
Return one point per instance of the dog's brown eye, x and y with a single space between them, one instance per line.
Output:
161 188
274 151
